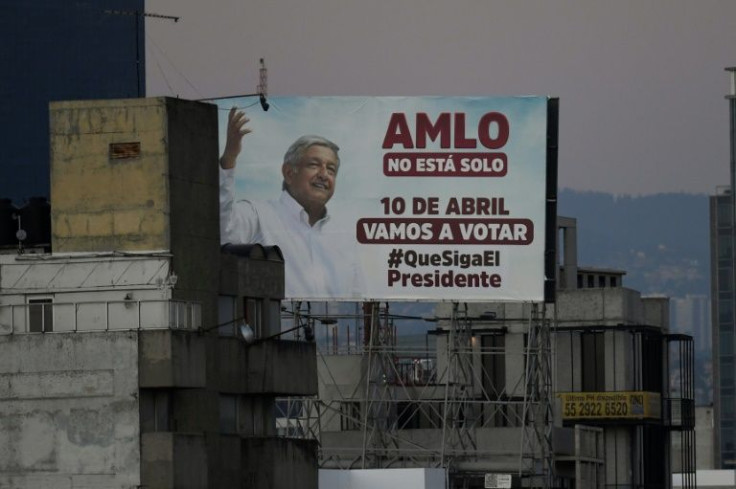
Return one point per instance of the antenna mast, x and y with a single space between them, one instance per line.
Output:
138 16
263 85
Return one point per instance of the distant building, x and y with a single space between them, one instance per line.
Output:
723 296
691 316
121 358
57 50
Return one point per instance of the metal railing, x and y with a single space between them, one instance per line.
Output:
117 315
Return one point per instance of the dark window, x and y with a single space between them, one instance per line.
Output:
724 279
254 315
274 316
651 363
417 415
725 313
156 410
591 281
592 353
494 365
614 282
228 413
726 343
226 316
727 407
580 280
350 416
723 211
601 281
40 315
724 247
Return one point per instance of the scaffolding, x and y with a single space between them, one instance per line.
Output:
454 406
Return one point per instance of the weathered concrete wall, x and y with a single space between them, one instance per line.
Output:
657 311
274 367
236 277
264 460
285 368
173 461
618 447
162 197
69 411
172 359
600 306
101 203
194 220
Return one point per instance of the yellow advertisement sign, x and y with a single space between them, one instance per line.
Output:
611 405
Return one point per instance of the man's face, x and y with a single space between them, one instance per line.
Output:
312 182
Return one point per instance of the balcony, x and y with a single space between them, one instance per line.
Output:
45 316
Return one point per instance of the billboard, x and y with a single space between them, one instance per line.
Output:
427 198
610 405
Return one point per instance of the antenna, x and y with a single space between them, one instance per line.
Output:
261 89
263 85
21 234
138 16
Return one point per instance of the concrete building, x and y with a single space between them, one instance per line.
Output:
54 51
121 364
571 394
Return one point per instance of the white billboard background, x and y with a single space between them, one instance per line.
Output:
359 125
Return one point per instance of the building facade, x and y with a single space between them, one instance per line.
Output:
124 363
571 394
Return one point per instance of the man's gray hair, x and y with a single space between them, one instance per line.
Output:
301 145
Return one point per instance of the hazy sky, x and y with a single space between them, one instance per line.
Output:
641 83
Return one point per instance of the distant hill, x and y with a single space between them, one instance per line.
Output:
661 241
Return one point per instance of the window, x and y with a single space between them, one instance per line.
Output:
226 315
601 281
726 343
155 410
723 211
592 354
652 369
724 279
40 315
494 365
591 281
254 315
614 282
228 413
725 313
724 248
350 416
274 316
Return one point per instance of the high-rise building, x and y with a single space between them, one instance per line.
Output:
723 296
51 51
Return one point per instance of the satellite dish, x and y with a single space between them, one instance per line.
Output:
246 333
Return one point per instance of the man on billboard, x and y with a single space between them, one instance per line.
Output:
320 263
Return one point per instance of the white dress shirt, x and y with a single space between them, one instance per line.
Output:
320 261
